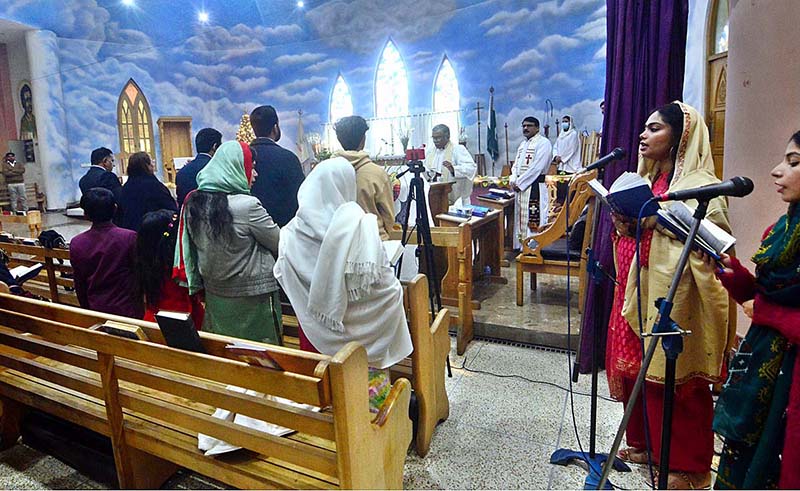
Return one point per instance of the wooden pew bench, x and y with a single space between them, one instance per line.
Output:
152 401
50 283
35 199
426 365
547 251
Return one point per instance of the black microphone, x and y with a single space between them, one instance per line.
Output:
615 154
736 186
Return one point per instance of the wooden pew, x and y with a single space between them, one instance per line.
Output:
33 219
425 368
36 200
546 252
152 401
48 284
456 282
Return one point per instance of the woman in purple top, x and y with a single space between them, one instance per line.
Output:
103 259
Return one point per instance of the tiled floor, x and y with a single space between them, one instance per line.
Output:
500 434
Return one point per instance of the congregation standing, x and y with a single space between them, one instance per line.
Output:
251 227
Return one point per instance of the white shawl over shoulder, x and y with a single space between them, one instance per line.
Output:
333 268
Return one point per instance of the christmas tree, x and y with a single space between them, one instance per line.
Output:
245 132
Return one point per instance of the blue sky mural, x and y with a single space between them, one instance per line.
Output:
254 52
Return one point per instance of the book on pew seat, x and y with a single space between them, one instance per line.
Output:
627 195
179 331
122 330
711 239
23 273
254 355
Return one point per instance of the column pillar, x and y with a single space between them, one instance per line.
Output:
52 152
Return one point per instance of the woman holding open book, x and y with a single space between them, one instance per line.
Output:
333 267
758 410
674 154
226 244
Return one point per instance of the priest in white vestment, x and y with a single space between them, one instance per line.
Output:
567 150
450 163
527 177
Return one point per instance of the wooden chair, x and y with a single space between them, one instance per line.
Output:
590 147
152 401
546 252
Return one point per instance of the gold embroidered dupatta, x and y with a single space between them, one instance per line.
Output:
701 303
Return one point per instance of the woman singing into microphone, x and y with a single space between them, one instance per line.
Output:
758 410
674 154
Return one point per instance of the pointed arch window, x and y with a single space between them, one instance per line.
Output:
341 100
720 27
391 84
447 98
134 123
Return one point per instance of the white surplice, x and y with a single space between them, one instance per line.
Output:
568 147
463 165
532 160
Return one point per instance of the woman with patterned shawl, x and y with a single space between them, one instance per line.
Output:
758 410
674 154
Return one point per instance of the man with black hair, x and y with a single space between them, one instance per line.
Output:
206 142
100 174
527 179
103 260
279 171
14 172
373 186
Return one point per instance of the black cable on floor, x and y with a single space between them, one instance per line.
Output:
543 382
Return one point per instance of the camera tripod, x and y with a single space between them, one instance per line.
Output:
416 194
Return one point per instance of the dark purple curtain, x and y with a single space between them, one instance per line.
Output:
644 70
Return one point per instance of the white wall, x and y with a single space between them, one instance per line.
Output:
763 109
694 80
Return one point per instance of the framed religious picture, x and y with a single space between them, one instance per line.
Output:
27 123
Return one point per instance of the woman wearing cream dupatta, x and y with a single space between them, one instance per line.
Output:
700 305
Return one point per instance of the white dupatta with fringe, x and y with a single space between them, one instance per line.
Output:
332 266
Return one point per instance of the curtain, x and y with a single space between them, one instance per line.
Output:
644 70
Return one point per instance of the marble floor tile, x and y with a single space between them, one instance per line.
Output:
536 364
22 467
511 406
463 456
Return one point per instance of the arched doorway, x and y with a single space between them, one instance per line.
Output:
717 70
134 124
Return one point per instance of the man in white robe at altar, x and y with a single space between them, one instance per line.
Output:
450 163
567 150
527 178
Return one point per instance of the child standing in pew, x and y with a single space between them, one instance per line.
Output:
155 250
332 266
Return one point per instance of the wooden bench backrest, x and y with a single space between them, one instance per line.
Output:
578 197
147 378
590 147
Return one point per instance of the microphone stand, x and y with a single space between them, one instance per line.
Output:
564 456
671 336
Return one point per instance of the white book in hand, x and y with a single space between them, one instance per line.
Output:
627 195
711 239
24 273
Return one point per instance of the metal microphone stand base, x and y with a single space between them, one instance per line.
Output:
594 461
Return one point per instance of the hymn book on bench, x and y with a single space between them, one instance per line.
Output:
122 330
179 331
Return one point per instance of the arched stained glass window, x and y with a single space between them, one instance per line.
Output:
391 84
134 124
721 27
341 100
447 98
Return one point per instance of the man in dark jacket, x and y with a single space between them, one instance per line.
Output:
100 174
279 170
206 142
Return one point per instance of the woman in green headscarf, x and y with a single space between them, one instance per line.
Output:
227 245
758 411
